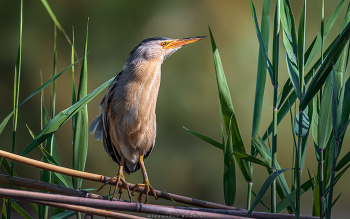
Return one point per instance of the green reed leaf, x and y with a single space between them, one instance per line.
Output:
326 67
324 118
264 188
284 203
316 44
261 72
80 132
64 215
62 117
47 83
206 139
261 42
20 210
51 160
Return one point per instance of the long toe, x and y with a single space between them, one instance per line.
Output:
148 187
126 187
114 178
118 178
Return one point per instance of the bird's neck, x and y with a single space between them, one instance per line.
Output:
144 71
141 83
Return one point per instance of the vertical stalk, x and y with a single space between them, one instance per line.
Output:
275 61
54 73
15 104
321 190
274 149
331 185
260 84
300 139
42 208
249 196
301 68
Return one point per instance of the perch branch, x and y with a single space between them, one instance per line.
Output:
38 185
255 214
52 188
48 187
103 179
104 204
86 210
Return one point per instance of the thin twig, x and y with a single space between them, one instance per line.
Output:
103 179
53 188
48 187
104 204
260 215
86 210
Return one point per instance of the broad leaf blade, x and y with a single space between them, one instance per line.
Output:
301 48
62 117
264 188
326 67
305 123
236 152
324 119
20 210
261 71
229 118
290 45
47 83
80 136
265 153
51 160
284 203
317 42
206 139
261 42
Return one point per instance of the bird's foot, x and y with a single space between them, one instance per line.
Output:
119 178
148 187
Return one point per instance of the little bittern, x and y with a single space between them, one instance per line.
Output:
127 123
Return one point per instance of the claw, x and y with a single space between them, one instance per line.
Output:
114 178
118 178
126 187
148 187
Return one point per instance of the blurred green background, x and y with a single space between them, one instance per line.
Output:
180 163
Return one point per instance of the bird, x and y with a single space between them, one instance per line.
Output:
127 123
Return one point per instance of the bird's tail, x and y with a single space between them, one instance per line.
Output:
97 127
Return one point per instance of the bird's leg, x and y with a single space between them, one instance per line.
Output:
145 184
118 178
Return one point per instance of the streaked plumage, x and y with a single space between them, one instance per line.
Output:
127 123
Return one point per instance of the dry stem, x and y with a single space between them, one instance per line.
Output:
255 214
104 204
103 179
86 210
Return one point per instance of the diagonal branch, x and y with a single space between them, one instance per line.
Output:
103 179
243 213
86 210
52 188
104 204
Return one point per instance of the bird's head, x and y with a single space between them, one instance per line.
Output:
159 48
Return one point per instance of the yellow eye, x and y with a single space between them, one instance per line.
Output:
164 43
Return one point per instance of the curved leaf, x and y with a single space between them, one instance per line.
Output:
47 83
62 117
264 188
326 67
80 132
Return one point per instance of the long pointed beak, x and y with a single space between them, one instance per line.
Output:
181 42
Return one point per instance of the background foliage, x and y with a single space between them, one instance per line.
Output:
188 94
